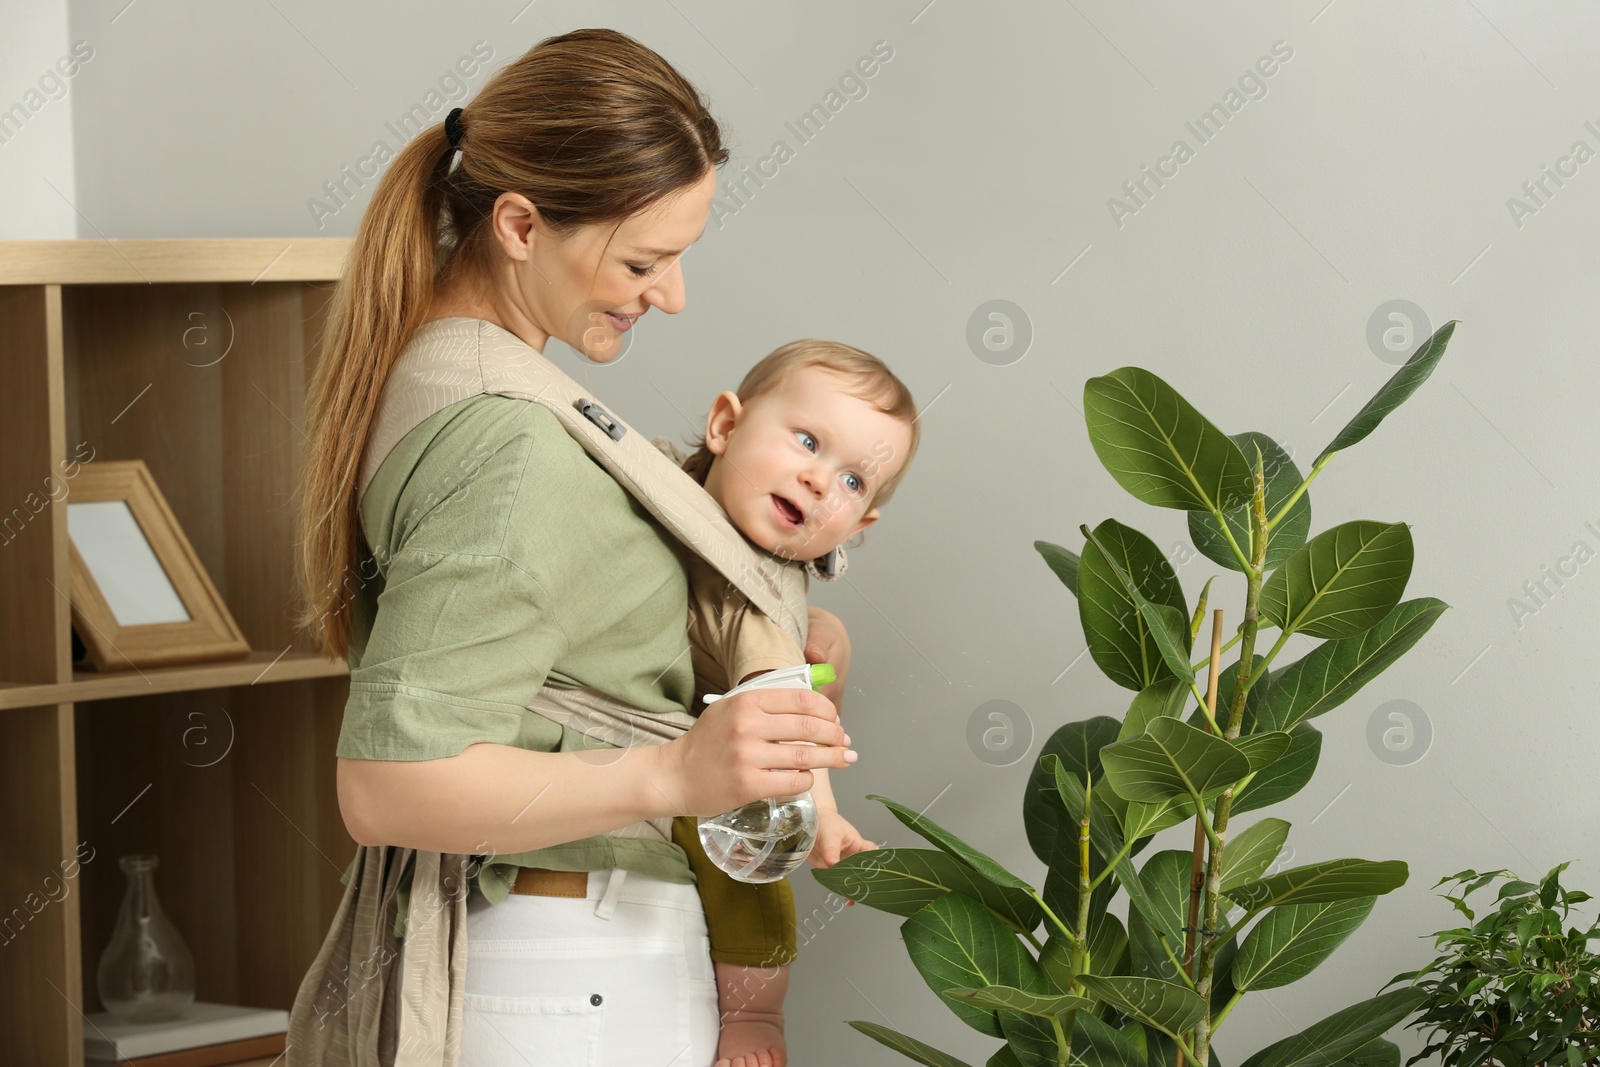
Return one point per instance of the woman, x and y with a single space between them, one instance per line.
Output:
486 559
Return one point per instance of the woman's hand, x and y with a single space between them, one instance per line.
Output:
827 641
728 758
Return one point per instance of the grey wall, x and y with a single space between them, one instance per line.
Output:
1378 166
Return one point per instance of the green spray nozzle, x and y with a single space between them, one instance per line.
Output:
822 674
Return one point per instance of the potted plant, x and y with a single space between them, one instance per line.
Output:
1054 972
1513 989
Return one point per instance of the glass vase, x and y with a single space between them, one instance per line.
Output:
146 973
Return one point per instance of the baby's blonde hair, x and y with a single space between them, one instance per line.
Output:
869 378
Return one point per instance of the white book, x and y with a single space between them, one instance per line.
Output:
107 1038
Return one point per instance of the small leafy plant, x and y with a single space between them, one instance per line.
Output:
1207 925
1512 990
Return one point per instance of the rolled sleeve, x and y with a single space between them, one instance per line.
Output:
458 646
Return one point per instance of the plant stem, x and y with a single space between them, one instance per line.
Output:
1173 956
1219 825
1197 874
1080 951
1205 707
1063 1042
1272 654
1109 868
1039 900
1226 1008
1300 490
1227 531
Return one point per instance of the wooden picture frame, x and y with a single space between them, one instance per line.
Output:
140 597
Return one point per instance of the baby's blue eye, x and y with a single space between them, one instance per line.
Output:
807 440
857 486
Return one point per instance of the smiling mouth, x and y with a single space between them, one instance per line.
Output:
788 512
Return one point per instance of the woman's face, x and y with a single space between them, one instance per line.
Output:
590 286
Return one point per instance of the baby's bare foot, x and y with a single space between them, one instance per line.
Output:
751 1042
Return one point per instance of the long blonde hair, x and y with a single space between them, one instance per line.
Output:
592 126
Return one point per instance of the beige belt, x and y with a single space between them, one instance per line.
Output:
541 882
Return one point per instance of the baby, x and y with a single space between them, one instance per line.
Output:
801 459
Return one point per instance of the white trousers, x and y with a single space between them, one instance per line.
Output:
623 976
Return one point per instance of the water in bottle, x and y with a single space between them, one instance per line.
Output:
766 839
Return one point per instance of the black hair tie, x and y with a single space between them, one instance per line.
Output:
452 128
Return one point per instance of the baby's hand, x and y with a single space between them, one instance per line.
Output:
836 839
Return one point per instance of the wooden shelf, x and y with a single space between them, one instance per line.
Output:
258 667
115 350
249 259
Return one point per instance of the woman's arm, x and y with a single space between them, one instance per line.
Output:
499 799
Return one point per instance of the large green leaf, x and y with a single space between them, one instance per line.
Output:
1285 777
1141 819
1320 883
951 844
955 942
1394 392
1131 607
1335 671
1097 1042
1003 1057
1282 479
1252 852
1172 759
1055 960
1342 581
1158 447
1077 745
1340 1034
1222 990
907 1046
902 881
1292 941
1107 945
1164 912
1064 562
1263 749
1375 1053
1031 1038
1162 699
1167 1006
1047 1005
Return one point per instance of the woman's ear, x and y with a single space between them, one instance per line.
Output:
513 222
722 421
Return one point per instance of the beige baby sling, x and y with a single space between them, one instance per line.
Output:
355 1006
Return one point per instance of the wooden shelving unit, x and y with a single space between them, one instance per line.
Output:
195 357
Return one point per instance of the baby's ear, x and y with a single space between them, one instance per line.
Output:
726 410
866 520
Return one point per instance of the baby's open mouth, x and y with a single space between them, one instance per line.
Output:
789 513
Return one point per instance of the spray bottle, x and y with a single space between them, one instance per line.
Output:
766 839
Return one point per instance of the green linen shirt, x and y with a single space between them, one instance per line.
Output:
507 557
